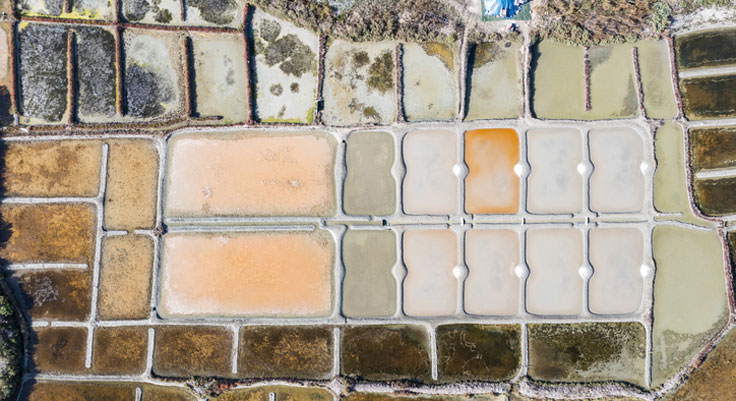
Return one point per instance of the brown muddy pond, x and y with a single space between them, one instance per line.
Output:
714 197
710 97
712 147
706 49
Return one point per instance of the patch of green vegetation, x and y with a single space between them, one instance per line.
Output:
310 115
292 55
442 51
381 72
11 349
492 48
276 90
485 53
595 22
476 36
220 12
163 16
259 46
371 112
689 6
308 118
53 7
88 8
372 20
136 10
524 13
6 309
661 16
361 59
270 30
355 106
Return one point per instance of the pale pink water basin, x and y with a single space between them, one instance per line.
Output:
247 274
251 174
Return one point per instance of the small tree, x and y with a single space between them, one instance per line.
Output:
661 16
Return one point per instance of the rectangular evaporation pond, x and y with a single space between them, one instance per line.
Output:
706 49
96 72
287 274
43 75
558 79
251 174
712 148
709 97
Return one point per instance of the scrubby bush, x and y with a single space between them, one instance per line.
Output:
661 16
688 6
370 20
10 349
592 22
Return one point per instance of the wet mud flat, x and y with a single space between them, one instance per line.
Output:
704 49
709 97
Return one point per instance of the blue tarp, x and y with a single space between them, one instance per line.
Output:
495 8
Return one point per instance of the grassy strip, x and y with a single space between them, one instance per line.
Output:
689 6
372 20
595 22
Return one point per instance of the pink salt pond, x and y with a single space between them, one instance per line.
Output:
555 184
247 274
554 256
492 286
617 254
253 174
617 183
430 185
430 288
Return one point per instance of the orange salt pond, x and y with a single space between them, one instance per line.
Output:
247 274
491 185
258 174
